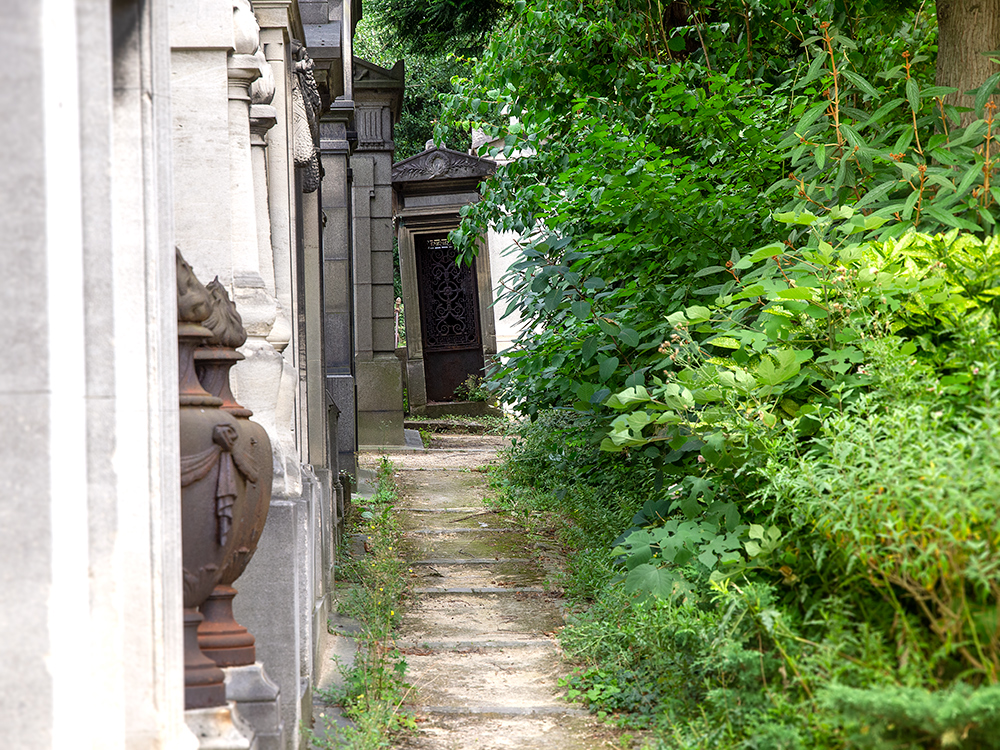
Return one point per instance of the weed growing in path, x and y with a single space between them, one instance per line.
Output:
374 687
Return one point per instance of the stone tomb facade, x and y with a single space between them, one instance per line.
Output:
450 327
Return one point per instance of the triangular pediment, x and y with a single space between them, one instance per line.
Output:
369 75
441 164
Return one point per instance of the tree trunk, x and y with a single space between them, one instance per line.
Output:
966 29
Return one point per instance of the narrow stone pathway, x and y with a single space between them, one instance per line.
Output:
478 634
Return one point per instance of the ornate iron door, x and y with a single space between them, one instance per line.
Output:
449 317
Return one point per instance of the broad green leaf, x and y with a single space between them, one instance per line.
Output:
698 314
913 94
581 309
861 83
629 337
726 342
795 217
649 579
778 367
984 92
608 367
768 251
636 395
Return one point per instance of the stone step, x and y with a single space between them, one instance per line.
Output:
517 616
523 677
456 544
479 590
426 648
460 427
449 730
410 509
472 561
497 711
461 530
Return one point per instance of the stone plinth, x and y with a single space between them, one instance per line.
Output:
219 728
257 702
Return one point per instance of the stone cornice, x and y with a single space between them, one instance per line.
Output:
280 14
441 165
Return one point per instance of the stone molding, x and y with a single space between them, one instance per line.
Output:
441 164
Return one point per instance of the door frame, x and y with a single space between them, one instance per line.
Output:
408 228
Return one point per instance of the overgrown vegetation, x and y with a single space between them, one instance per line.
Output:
374 685
758 261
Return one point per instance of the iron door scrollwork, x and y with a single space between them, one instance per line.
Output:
448 301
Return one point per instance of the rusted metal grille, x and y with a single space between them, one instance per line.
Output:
448 300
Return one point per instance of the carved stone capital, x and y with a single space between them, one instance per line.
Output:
242 71
262 118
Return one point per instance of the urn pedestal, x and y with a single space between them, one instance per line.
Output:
211 486
220 636
214 470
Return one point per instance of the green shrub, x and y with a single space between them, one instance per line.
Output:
908 494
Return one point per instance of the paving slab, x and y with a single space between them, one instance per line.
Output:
484 543
441 489
487 677
504 731
451 518
477 574
480 617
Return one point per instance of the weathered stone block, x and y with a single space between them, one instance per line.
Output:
416 387
380 428
336 286
380 385
380 206
382 235
384 300
335 234
257 700
338 342
381 265
383 335
314 12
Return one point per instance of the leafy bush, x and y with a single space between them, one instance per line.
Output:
908 494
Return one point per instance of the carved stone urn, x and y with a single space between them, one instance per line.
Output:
213 488
221 638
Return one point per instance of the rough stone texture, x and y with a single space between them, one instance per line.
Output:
219 728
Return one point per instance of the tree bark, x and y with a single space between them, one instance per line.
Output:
966 29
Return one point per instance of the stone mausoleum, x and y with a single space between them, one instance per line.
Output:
173 479
450 321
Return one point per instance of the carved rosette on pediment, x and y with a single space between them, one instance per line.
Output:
441 164
220 637
214 472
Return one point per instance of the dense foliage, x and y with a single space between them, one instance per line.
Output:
757 259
